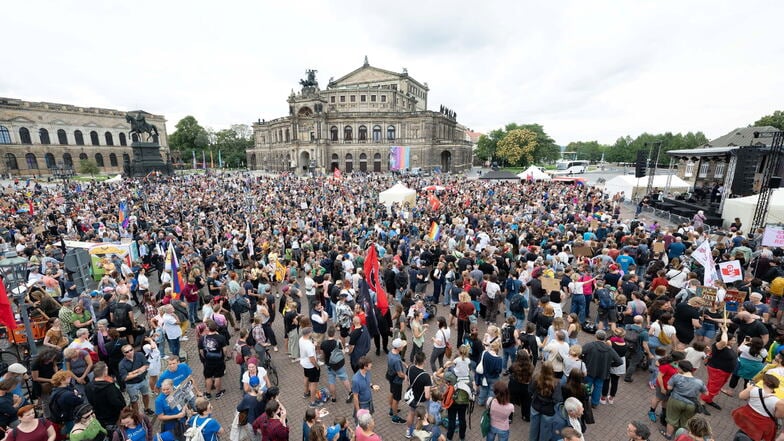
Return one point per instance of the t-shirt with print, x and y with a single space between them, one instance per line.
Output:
418 384
213 344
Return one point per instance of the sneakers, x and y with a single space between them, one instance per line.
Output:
207 395
628 380
350 398
220 394
610 400
315 404
652 416
184 338
602 400
307 395
334 400
397 420
408 435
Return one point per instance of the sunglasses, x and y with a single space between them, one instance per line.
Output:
128 351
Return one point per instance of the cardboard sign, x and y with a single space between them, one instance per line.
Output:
658 247
594 224
731 271
708 293
549 284
773 236
583 252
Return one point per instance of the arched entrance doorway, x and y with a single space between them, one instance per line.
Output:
334 163
349 163
377 163
304 162
253 161
446 161
363 163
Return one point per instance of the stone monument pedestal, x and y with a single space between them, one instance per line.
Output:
146 158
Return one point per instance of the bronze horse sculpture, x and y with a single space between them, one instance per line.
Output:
139 125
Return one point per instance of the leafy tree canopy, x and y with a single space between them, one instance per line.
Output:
188 136
88 167
543 148
776 120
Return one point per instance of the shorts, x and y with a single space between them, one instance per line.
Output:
340 374
136 389
708 332
317 339
396 389
661 395
312 374
453 310
344 332
608 315
776 302
214 370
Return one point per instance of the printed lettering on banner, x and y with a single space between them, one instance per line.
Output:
773 236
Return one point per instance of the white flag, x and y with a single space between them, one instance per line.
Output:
704 257
248 240
731 271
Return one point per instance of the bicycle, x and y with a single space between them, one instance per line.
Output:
269 366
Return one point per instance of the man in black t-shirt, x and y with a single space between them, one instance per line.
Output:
419 382
749 324
212 352
335 371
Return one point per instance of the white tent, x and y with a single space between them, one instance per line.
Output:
636 187
743 208
117 178
397 193
536 174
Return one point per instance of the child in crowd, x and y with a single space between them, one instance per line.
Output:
653 368
696 354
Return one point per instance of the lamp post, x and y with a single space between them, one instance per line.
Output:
14 269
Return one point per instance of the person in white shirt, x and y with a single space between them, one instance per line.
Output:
171 329
310 291
492 289
144 282
309 362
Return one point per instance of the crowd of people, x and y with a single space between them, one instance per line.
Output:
529 300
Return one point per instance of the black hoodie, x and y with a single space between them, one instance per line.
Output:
107 401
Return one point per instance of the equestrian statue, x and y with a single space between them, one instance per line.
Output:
139 125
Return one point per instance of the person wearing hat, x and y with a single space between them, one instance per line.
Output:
15 374
251 406
396 373
86 425
685 392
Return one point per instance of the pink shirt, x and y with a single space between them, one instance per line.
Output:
499 414
360 435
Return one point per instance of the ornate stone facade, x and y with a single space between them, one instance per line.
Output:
34 137
356 124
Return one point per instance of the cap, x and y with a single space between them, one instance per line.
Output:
613 267
332 431
398 343
344 294
254 381
17 368
66 300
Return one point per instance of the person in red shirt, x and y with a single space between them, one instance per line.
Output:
668 366
659 280
272 424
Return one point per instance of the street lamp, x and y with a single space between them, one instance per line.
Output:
14 270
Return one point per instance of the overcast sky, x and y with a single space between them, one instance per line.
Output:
585 70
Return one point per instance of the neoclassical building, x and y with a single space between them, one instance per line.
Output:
35 137
370 120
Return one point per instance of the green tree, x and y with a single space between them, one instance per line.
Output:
590 150
232 144
625 148
188 137
517 148
487 144
545 148
776 120
88 167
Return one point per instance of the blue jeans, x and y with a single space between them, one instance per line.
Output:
174 346
500 435
193 307
578 306
596 394
486 392
510 353
447 293
541 426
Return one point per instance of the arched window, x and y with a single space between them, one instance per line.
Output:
377 162
109 138
62 137
10 162
99 159
78 137
113 160
126 158
391 133
32 161
347 133
94 138
349 163
43 135
376 133
362 133
334 163
24 136
49 158
363 162
123 142
333 133
288 135
5 135
82 156
67 160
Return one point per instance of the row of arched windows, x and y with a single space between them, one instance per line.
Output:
32 161
62 137
362 133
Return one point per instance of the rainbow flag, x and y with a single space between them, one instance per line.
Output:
435 232
123 214
172 264
399 158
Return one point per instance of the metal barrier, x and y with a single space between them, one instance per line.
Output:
672 218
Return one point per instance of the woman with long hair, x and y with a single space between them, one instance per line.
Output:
440 341
520 374
418 334
545 390
501 411
133 426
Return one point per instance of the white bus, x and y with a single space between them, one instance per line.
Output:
570 166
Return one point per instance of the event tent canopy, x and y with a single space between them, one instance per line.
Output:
535 173
636 187
397 193
743 208
117 178
498 175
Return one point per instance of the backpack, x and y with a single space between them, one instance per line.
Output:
195 433
606 300
208 354
56 413
641 256
121 316
449 396
239 357
240 305
632 339
337 355
507 336
517 303
401 280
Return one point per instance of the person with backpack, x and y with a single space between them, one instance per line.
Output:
636 338
31 428
607 315
201 427
509 342
335 359
63 401
212 353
